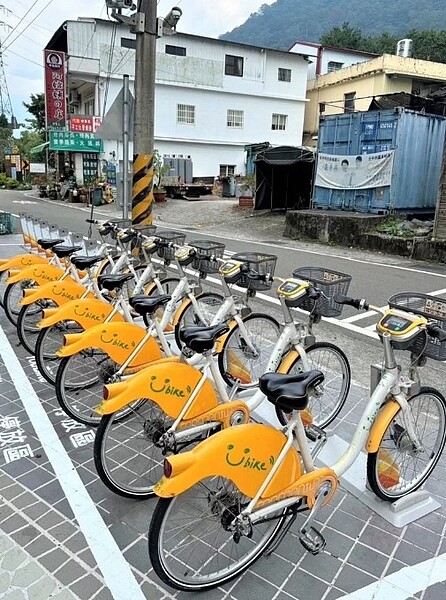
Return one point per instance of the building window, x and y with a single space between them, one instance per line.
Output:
235 118
234 65
349 102
279 122
175 50
334 66
321 108
89 107
186 114
284 74
226 170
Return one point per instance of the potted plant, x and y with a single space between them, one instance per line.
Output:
247 186
159 169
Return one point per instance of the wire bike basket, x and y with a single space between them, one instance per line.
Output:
329 283
427 306
206 251
258 264
167 252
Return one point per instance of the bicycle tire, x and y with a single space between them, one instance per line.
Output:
188 317
234 358
12 297
384 467
49 340
79 384
127 458
199 541
3 277
27 329
328 410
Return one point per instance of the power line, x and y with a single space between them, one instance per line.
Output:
14 28
25 58
23 30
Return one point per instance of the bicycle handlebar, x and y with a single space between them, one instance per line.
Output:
436 331
358 303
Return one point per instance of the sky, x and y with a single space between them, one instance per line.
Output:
22 46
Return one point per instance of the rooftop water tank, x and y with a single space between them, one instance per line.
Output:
404 48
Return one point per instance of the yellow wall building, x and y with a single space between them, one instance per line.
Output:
352 88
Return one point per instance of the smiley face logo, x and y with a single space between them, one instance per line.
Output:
104 337
237 463
154 389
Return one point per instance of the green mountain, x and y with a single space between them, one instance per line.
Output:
282 23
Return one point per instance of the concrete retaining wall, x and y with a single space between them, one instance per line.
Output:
355 230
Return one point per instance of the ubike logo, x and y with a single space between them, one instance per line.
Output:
247 461
84 312
114 341
41 273
62 293
167 388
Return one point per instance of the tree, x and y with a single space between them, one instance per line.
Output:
36 107
345 36
5 138
30 139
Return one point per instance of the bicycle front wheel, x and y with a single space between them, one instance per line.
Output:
209 304
329 397
247 349
49 341
398 467
192 545
12 297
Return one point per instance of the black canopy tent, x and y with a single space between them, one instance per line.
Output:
284 178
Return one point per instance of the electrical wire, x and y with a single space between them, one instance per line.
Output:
21 19
25 58
23 30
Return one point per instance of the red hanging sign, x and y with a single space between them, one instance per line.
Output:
55 89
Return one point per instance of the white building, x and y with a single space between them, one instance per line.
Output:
212 96
326 59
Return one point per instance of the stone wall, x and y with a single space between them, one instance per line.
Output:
354 230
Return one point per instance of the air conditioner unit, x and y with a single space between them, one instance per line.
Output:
74 98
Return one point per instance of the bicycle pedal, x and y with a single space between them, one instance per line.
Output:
315 433
313 541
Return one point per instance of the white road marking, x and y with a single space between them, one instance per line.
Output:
117 573
406 582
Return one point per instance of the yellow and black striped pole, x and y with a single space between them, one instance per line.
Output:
142 190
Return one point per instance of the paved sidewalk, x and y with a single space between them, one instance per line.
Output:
63 535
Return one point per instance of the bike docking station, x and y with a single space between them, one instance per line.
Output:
400 513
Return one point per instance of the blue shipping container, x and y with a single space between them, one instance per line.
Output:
418 142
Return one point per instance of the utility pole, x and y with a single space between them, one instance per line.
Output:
143 134
125 149
147 28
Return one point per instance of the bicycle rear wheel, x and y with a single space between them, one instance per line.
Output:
330 396
79 382
49 341
397 468
247 350
191 544
27 328
12 297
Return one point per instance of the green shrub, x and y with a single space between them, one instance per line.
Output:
11 184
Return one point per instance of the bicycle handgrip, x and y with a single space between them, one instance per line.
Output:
313 293
94 221
358 303
436 331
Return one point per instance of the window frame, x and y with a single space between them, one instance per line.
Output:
277 126
350 102
234 66
171 46
235 113
183 109
226 170
339 66
283 71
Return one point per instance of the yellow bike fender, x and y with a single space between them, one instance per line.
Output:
87 312
118 340
287 362
244 454
180 310
381 423
222 339
168 383
21 261
59 292
41 273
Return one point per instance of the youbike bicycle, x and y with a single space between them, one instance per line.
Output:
234 497
182 407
